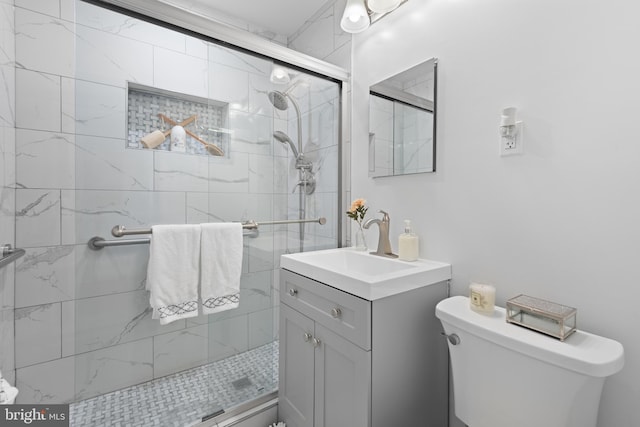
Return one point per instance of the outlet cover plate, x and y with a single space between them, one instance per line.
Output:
511 146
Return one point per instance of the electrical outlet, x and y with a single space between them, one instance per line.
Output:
512 145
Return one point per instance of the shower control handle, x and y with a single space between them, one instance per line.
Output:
293 292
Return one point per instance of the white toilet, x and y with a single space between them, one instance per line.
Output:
508 376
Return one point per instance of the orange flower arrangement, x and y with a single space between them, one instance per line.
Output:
358 211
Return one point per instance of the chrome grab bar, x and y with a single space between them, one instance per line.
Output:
96 243
121 230
9 254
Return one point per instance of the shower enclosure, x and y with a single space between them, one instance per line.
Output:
99 348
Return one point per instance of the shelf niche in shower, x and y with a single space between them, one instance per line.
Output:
145 104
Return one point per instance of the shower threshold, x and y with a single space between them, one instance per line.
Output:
185 398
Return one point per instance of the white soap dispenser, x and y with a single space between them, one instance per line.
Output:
408 243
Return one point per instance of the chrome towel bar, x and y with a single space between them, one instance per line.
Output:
9 254
97 242
121 230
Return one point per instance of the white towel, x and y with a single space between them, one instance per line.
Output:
220 266
10 392
173 271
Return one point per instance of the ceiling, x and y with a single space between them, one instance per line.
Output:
283 17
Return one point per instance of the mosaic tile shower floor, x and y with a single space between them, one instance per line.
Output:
182 399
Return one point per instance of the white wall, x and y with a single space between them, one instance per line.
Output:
559 222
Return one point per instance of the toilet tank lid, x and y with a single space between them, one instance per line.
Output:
581 352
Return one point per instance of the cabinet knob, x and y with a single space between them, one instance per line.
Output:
316 342
307 337
336 312
293 292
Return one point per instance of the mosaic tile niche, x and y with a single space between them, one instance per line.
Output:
145 105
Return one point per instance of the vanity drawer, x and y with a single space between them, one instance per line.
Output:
345 314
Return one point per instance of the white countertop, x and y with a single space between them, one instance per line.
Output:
367 276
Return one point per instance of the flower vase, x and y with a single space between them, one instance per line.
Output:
361 242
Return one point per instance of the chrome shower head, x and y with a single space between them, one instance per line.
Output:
279 100
284 138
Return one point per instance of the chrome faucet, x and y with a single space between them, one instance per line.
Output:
384 244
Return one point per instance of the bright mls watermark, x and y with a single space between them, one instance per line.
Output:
34 415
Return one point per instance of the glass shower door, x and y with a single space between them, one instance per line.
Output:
129 74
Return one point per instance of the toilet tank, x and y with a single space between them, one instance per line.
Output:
505 375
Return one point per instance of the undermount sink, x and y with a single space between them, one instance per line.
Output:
363 274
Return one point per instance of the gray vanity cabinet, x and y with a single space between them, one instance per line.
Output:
349 362
323 377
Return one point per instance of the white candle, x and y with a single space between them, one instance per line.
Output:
482 298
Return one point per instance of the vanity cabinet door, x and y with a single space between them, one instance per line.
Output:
296 368
342 381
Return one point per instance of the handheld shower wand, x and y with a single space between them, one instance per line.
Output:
284 138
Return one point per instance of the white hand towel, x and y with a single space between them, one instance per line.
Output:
174 271
220 266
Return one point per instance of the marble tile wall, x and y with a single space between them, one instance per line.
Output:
45 162
88 310
322 37
7 184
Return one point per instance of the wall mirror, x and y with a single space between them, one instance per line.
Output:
402 122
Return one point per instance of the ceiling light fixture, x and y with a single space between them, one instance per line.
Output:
355 17
359 14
